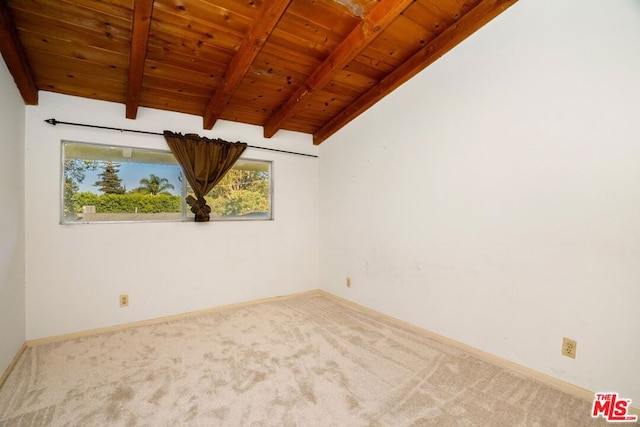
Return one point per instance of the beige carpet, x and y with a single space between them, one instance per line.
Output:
304 361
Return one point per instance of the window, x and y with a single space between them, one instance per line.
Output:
123 184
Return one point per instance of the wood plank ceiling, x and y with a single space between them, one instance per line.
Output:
304 65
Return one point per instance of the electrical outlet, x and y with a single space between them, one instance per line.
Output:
569 347
348 282
124 300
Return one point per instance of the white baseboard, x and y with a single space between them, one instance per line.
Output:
98 331
556 383
13 362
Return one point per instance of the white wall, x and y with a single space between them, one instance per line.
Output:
12 294
495 198
76 272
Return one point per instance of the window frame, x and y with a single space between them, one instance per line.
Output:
186 216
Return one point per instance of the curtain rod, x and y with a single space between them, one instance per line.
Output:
58 122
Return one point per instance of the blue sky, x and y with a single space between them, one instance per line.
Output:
131 173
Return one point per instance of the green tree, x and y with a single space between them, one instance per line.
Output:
75 171
110 182
235 180
154 185
240 192
239 202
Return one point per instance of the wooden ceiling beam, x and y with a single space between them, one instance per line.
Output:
263 25
15 58
484 12
379 18
142 11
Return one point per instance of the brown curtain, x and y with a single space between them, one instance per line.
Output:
205 162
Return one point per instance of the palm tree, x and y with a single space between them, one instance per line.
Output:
155 185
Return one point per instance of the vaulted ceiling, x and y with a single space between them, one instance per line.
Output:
304 65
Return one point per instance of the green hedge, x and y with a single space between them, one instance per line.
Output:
127 203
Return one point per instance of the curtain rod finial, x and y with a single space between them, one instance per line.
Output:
52 121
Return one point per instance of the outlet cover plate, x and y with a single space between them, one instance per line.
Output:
569 347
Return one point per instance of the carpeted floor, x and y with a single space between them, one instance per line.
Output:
305 361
